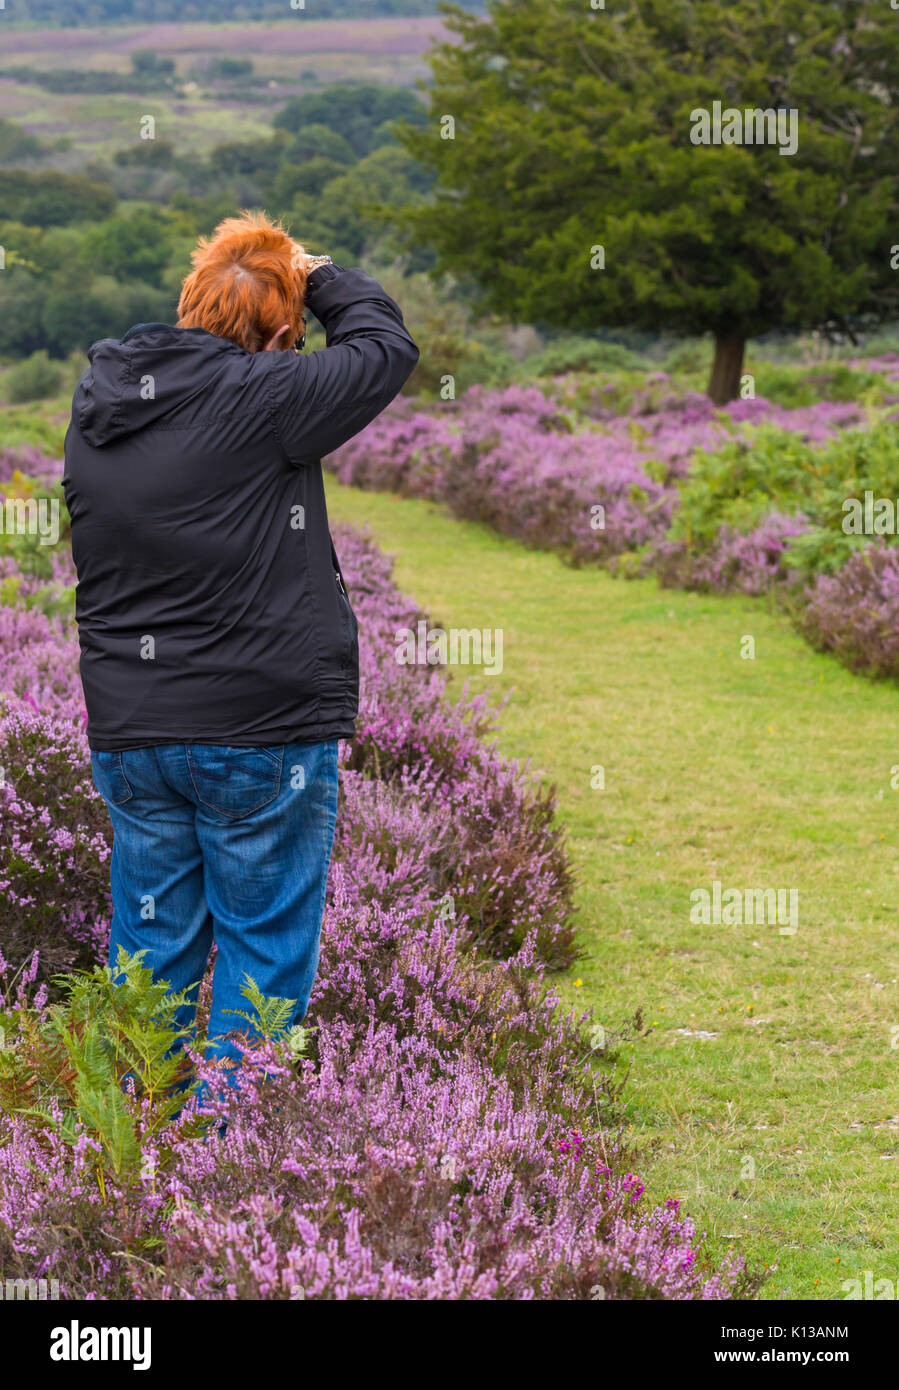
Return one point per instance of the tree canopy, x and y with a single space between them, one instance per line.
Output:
573 191
354 110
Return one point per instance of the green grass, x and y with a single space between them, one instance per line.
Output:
772 772
39 424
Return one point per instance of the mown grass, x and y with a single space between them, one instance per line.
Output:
780 1129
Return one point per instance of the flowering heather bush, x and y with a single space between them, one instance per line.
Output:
441 1131
30 462
885 364
54 843
816 424
506 867
42 586
743 499
524 462
383 1169
748 564
855 613
513 459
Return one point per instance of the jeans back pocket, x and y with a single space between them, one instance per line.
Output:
235 782
109 777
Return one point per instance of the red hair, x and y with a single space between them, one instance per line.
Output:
246 282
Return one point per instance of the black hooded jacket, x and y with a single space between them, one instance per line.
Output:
210 604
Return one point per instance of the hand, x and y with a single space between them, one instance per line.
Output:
303 261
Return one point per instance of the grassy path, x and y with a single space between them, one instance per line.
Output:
771 1081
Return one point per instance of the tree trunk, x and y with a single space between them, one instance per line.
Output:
727 368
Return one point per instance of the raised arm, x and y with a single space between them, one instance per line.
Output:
321 400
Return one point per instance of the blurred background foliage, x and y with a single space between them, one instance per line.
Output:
97 223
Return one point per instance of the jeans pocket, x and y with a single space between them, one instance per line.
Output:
109 777
235 782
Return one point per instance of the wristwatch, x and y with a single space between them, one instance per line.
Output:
314 262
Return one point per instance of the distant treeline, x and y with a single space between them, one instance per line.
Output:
89 80
150 72
81 13
87 254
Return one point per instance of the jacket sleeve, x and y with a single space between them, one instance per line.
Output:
321 400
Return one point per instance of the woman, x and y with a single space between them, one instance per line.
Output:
218 644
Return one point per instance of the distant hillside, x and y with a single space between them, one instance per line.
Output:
82 13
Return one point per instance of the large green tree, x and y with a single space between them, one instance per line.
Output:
573 129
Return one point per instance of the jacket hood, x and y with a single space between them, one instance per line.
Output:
137 381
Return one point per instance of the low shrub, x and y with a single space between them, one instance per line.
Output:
580 355
33 379
855 612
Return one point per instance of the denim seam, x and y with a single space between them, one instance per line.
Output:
332 822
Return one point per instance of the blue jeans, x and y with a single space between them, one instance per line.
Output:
222 844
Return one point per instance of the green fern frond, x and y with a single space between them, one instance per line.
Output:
105 1112
272 1015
